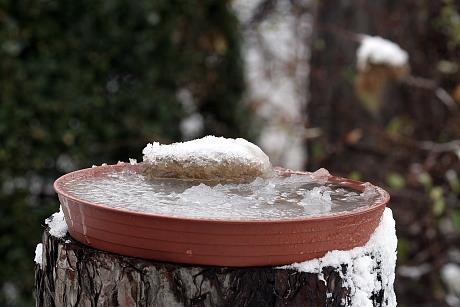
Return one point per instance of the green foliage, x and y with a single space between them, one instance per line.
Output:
355 175
86 82
404 249
449 21
425 179
396 181
439 203
455 216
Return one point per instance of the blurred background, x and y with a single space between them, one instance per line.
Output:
87 82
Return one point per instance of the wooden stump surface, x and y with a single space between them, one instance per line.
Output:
73 274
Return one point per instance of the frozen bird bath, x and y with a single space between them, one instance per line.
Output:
216 226
285 218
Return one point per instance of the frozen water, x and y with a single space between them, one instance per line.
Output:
278 197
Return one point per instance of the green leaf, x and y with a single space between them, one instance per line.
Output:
355 175
396 181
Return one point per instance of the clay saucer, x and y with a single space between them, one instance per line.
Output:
214 242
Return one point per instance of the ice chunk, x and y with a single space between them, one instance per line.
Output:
376 50
317 200
57 224
277 197
207 158
321 173
39 254
364 272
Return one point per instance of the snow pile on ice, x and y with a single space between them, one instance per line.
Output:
376 50
57 224
207 158
363 271
38 255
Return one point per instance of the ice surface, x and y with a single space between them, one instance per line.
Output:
278 197
363 271
57 224
209 150
38 255
376 50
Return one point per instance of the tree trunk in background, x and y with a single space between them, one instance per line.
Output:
386 146
76 275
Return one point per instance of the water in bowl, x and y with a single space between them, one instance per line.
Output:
279 197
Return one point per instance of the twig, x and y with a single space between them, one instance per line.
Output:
428 84
451 146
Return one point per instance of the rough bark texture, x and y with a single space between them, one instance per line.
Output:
73 274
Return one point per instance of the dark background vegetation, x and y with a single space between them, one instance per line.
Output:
87 82
409 144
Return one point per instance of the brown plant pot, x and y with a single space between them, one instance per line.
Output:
214 242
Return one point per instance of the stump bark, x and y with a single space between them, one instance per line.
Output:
72 274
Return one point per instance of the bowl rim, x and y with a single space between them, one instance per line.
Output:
353 184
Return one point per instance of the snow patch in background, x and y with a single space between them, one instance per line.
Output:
38 255
192 126
276 56
450 274
57 224
363 271
377 50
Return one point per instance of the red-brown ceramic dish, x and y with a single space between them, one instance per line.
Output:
214 242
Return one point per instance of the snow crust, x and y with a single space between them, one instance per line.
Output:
57 224
363 271
377 50
38 255
209 149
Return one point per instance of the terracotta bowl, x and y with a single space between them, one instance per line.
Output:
214 242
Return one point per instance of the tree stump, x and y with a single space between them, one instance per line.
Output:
72 274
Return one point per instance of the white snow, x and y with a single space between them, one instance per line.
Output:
450 274
414 272
38 255
209 149
377 50
132 161
276 55
192 126
362 270
57 224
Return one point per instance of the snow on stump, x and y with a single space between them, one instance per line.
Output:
72 274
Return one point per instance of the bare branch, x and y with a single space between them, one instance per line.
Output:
440 147
428 84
